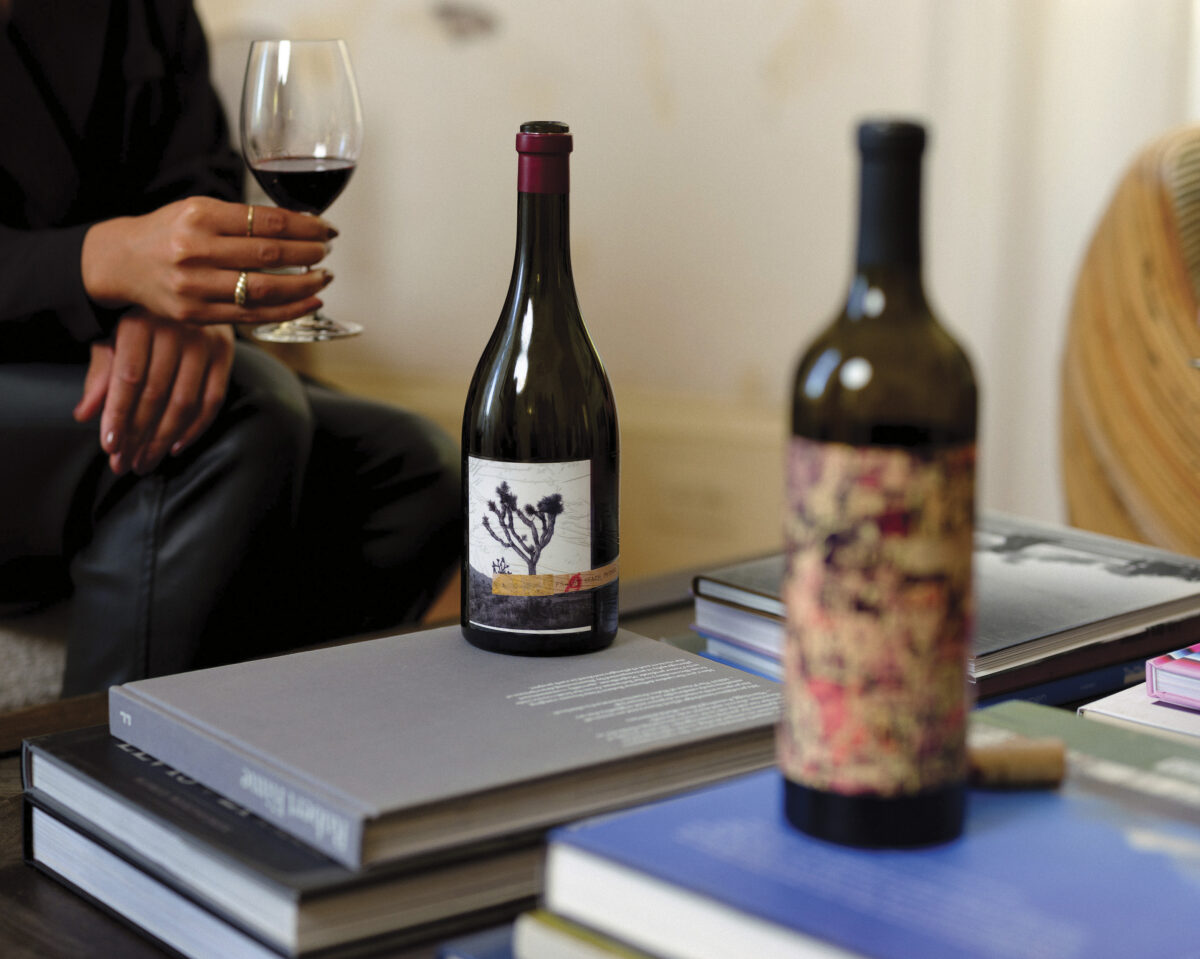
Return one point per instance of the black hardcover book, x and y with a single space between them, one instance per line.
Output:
172 857
1052 602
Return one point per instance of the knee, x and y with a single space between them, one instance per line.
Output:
266 424
418 489
435 463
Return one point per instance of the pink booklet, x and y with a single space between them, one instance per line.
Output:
1175 677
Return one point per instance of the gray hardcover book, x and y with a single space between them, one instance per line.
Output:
416 743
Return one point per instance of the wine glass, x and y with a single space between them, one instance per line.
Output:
301 136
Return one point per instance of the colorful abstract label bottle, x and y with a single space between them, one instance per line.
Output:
880 526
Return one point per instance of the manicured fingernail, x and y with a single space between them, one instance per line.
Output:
177 448
118 463
110 439
333 233
328 279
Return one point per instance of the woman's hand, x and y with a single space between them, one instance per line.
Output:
157 387
182 262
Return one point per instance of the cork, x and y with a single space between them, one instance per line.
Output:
1018 764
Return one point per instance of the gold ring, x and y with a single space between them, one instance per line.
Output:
239 291
249 220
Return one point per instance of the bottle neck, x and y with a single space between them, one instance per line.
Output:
889 222
543 257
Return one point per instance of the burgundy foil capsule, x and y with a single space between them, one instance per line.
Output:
543 149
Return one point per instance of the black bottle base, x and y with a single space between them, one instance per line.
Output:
924 819
536 644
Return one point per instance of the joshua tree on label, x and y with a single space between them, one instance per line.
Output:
537 520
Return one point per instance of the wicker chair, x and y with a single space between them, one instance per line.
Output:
1130 415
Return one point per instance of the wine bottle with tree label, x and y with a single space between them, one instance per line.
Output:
540 443
880 494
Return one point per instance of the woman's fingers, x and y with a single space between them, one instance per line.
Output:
196 394
211 389
209 297
131 360
257 253
221 218
95 383
167 383
262 289
158 390
273 221
181 261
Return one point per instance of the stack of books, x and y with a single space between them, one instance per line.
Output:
1106 865
374 795
1062 615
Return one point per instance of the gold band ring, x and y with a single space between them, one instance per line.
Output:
239 291
249 219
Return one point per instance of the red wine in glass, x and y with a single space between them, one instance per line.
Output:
307 184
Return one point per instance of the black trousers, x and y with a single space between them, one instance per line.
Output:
302 514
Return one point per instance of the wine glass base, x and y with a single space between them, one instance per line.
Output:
307 329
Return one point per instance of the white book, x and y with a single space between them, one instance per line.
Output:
1133 707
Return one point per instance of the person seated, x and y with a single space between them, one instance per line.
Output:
198 500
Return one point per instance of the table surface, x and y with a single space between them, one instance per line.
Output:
40 919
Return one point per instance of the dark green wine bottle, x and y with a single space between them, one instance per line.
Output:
880 492
540 443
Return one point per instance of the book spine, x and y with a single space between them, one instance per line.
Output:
1089 684
1151 678
717 658
277 797
26 765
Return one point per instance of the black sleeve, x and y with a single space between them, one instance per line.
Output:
194 155
161 120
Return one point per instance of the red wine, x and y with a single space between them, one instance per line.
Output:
304 184
880 528
540 447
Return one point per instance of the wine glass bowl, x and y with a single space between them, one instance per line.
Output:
301 131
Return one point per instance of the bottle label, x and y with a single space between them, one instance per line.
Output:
529 546
879 604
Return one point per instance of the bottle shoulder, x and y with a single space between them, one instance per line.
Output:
540 393
921 344
859 376
539 359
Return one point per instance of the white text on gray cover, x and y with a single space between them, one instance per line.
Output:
282 802
273 794
325 824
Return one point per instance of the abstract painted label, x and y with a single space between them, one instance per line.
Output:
879 607
529 546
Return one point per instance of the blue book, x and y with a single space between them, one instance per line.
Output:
494 943
719 873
